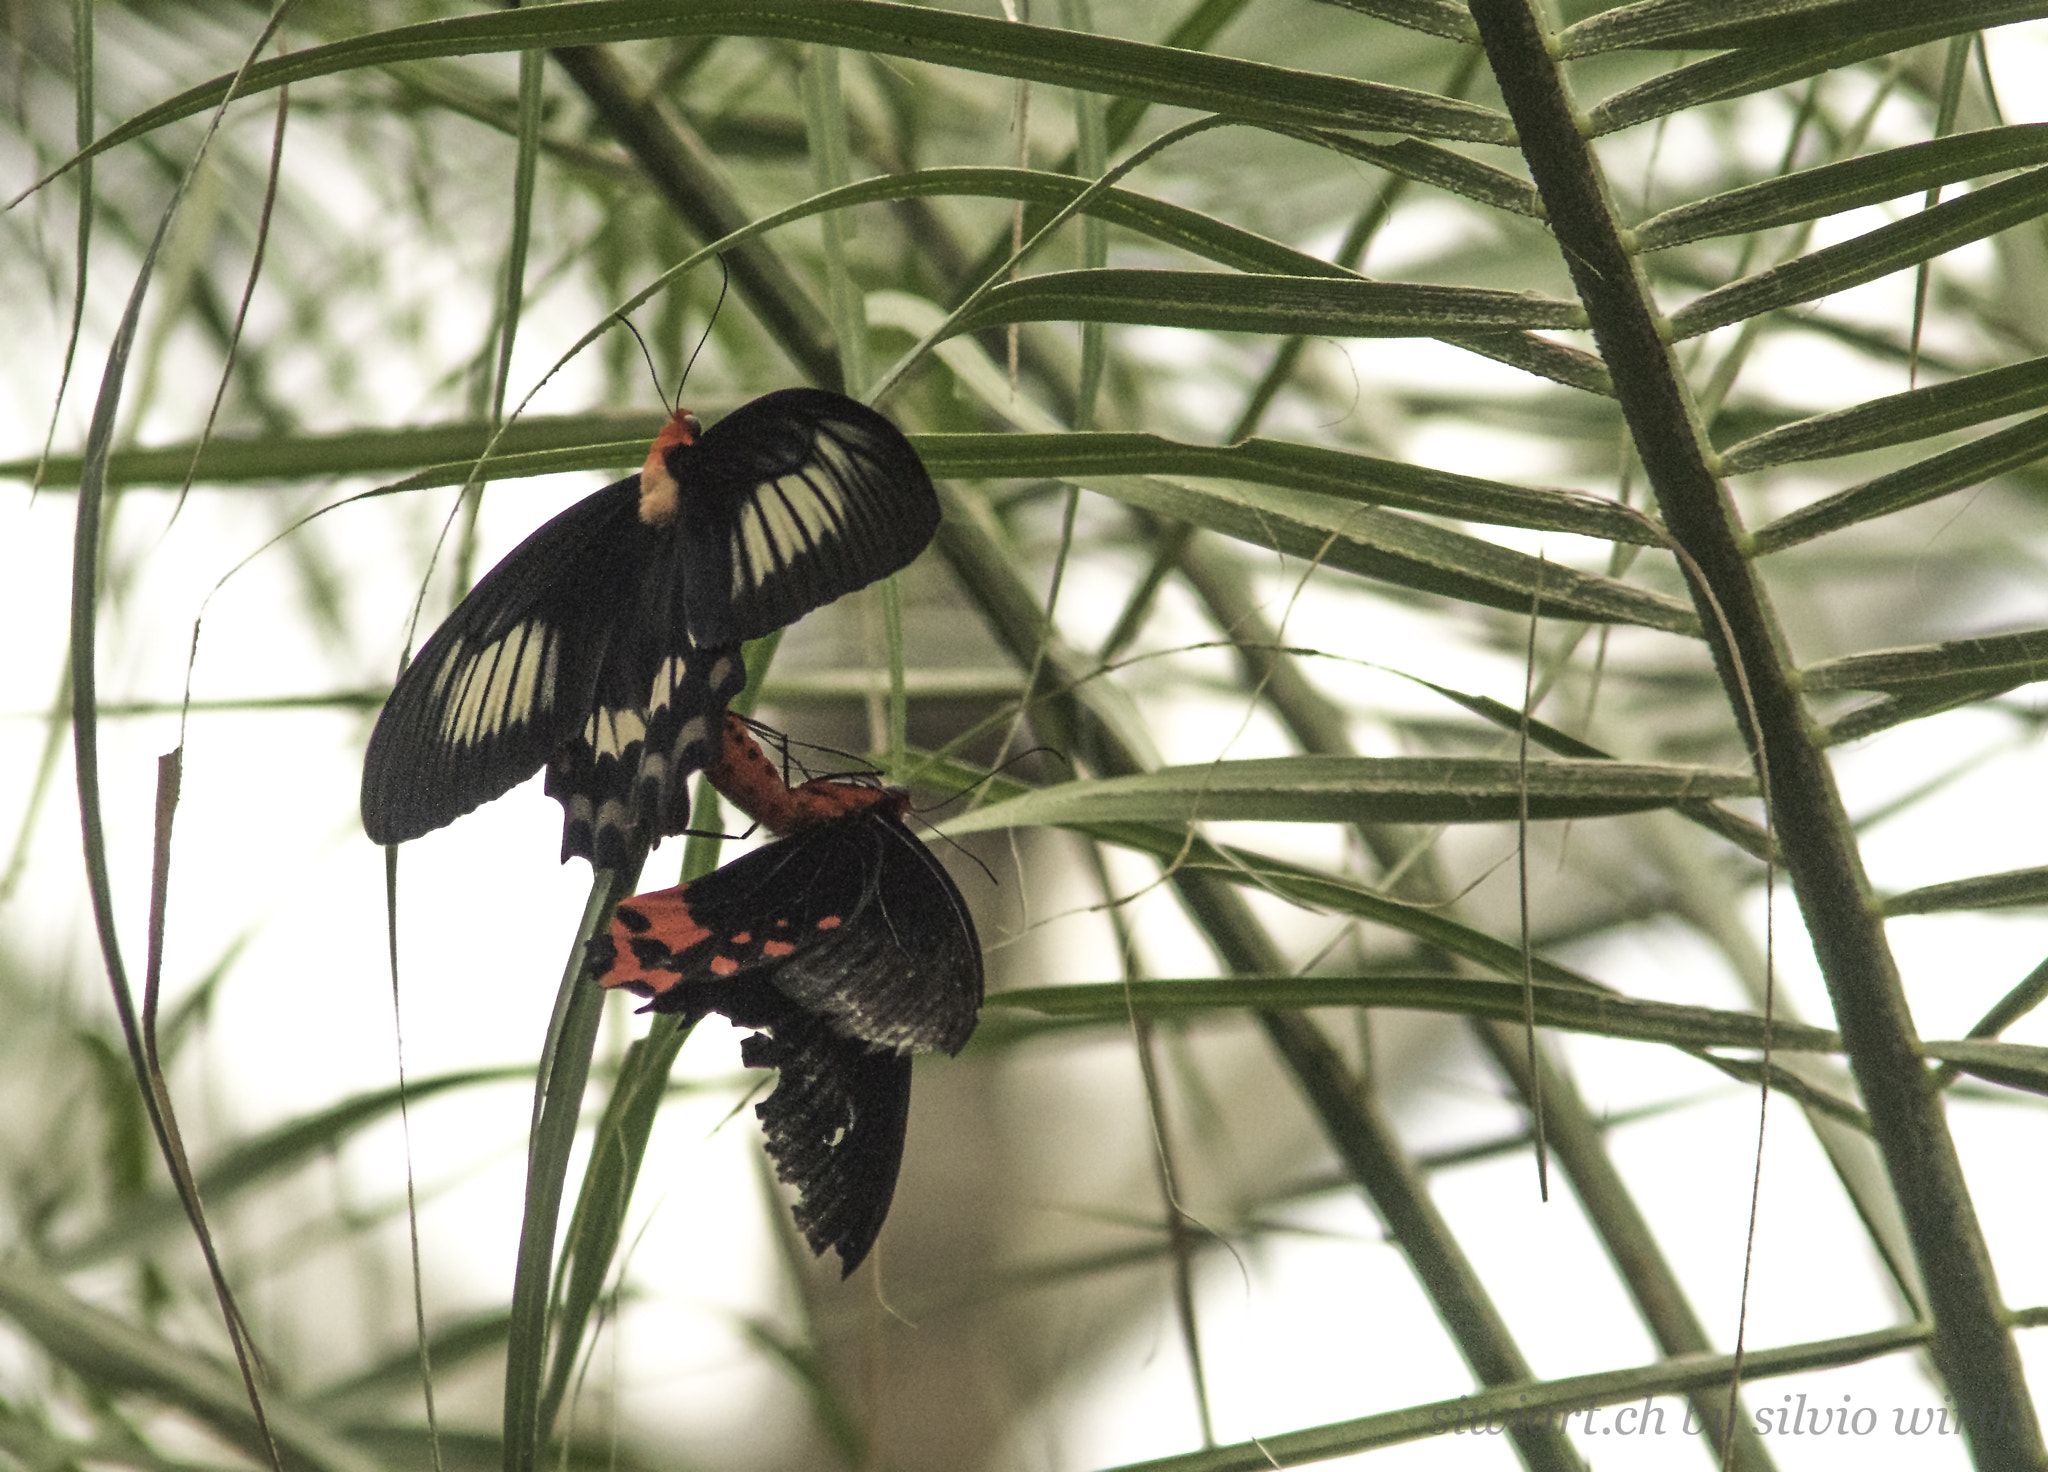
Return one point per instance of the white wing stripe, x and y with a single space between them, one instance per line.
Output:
499 686
785 520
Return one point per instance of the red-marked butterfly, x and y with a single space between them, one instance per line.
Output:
606 645
846 947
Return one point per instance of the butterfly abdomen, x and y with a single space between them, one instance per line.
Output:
752 782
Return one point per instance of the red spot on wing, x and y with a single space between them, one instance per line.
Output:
830 922
777 948
661 916
724 965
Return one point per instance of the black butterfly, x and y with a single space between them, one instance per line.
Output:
606 645
848 947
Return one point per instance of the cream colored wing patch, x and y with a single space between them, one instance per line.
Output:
500 686
784 521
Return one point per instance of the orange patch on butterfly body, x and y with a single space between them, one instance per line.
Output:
659 492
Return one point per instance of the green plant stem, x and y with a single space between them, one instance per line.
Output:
557 1101
1973 1345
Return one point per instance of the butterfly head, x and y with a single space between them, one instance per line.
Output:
658 487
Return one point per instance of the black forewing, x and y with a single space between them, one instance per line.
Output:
789 502
835 1126
853 920
509 676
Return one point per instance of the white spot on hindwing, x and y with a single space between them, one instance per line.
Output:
667 680
611 731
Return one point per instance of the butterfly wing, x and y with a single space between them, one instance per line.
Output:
853 920
836 1120
789 502
903 970
508 677
835 1126
656 715
846 946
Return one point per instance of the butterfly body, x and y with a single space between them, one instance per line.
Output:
606 645
847 945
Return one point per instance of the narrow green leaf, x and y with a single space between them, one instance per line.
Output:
557 1105
1751 837
1556 361
806 1364
1155 219
2016 1065
112 1355
1745 73
1333 894
1980 892
1833 189
1396 549
1332 789
825 128
1897 419
264 1158
1334 473
1569 1008
1692 25
1489 1412
1196 30
1908 242
589 1246
1883 715
1159 74
1952 470
1363 479
450 1346
230 461
1298 884
1990 664
1219 301
1433 164
1431 17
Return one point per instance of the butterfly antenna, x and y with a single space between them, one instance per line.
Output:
955 844
724 282
648 354
969 790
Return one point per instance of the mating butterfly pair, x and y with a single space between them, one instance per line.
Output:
606 645
845 946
